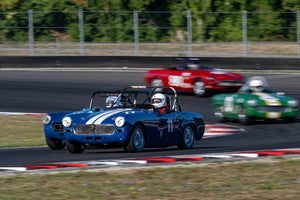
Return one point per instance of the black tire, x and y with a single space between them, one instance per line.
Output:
188 138
55 144
136 142
199 88
243 117
219 113
157 82
290 120
75 147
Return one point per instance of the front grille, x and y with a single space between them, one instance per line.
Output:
230 83
276 109
57 127
90 129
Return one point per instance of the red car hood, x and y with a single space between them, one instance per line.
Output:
217 74
220 75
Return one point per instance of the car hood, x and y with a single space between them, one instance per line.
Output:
222 75
270 99
102 117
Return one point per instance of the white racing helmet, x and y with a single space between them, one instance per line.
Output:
110 100
158 100
193 65
256 85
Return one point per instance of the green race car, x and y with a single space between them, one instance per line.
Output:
254 101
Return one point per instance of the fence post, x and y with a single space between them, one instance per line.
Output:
298 34
136 32
189 32
245 34
81 32
31 33
57 47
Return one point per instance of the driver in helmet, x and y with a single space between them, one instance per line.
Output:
193 66
110 101
256 86
159 102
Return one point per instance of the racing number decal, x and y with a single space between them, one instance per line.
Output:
170 125
228 104
179 81
175 80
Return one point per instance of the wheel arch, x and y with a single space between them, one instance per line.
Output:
193 125
195 79
132 128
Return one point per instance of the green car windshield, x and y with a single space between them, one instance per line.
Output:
247 88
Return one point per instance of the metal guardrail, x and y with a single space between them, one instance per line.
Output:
143 62
188 40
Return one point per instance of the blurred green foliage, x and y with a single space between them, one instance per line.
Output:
159 21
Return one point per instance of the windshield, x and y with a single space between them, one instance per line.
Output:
131 97
249 87
188 64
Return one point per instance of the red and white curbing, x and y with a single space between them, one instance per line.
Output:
216 130
143 161
211 130
22 113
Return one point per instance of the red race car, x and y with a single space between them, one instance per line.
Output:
189 75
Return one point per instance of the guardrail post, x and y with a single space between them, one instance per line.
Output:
81 32
298 34
245 34
136 32
189 32
57 47
30 33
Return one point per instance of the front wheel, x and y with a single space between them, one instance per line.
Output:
137 140
219 113
75 147
243 117
55 144
188 138
199 88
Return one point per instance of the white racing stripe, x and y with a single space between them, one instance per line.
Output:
93 119
102 118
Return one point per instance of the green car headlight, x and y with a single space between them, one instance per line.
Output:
293 103
252 102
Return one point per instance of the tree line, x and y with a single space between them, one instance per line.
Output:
158 21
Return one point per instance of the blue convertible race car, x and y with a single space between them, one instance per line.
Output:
126 119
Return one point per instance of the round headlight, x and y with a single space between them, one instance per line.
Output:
252 103
67 121
46 119
293 103
120 121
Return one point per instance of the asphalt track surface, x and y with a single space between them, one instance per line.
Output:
50 91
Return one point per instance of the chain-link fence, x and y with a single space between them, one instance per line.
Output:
150 33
